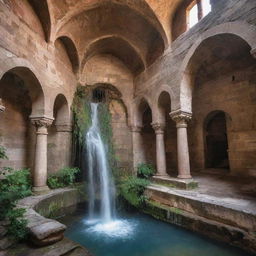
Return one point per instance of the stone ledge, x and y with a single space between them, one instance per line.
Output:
175 182
44 231
65 247
210 228
205 206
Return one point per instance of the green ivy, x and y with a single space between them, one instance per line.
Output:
82 114
63 178
145 170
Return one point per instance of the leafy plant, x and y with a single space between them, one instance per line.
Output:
145 170
18 225
15 185
65 177
132 189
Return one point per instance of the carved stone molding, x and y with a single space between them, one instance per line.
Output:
181 118
253 53
135 128
158 127
41 124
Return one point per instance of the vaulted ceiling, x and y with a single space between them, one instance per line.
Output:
135 31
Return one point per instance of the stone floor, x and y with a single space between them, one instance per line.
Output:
236 192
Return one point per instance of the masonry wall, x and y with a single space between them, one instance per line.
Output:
23 43
238 100
122 139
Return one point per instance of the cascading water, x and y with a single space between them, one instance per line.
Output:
98 167
98 170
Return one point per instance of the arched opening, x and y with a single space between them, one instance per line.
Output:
164 105
59 136
22 96
216 141
221 74
147 134
113 124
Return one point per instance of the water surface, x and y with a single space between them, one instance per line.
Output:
141 235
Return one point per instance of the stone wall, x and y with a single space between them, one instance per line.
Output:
121 136
237 99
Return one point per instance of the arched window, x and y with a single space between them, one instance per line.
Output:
196 11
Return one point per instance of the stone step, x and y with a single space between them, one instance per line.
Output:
204 206
210 228
175 182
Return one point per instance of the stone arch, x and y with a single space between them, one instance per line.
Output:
42 11
23 69
108 44
60 135
23 97
139 6
242 30
215 132
168 95
71 51
139 107
61 110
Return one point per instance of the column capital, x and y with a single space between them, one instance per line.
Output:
2 107
253 53
41 121
158 127
181 118
135 128
64 127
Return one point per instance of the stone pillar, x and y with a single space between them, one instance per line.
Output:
138 154
63 143
160 149
40 158
181 118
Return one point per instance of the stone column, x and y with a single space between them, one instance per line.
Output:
160 149
63 142
40 160
138 155
181 118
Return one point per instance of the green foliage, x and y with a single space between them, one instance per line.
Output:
82 114
3 153
145 170
132 189
18 225
63 178
14 186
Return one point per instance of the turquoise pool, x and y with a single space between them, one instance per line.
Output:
141 235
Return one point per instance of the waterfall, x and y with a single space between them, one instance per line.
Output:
98 170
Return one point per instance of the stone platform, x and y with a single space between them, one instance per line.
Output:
175 182
222 207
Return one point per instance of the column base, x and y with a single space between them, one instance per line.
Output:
175 182
161 175
40 190
184 176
